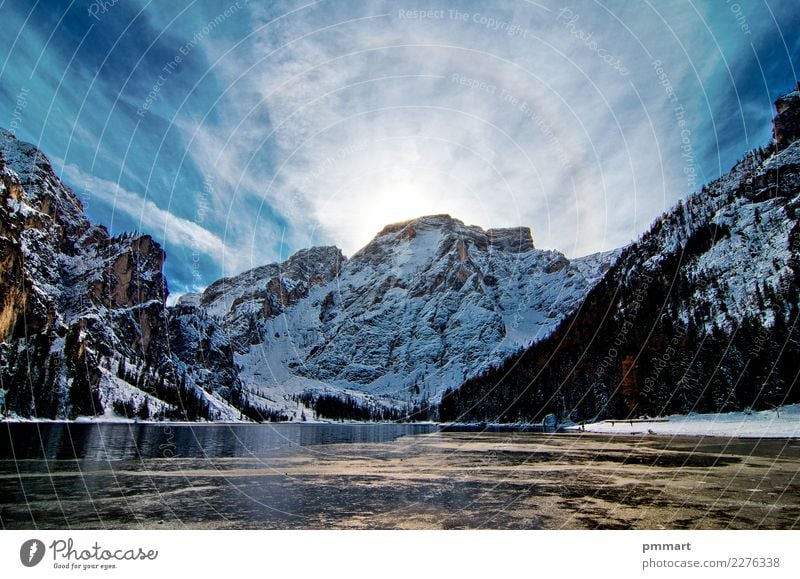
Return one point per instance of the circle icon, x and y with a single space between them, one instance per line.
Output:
32 552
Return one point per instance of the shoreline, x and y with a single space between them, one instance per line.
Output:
783 422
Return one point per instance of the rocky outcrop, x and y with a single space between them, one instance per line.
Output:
83 323
427 303
786 129
271 288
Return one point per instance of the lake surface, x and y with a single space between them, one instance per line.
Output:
112 442
387 476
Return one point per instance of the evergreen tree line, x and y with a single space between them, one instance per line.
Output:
255 412
643 343
676 369
30 376
184 401
129 409
346 407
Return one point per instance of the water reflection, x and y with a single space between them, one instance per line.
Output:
104 442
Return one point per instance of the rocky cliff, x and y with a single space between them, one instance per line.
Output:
83 326
425 305
787 118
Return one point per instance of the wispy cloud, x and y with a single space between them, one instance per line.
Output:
164 226
343 120
318 122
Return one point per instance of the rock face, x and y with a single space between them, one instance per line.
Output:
787 120
212 332
83 327
699 315
426 304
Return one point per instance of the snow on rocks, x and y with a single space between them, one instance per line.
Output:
425 305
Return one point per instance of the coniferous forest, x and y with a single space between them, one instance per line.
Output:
663 333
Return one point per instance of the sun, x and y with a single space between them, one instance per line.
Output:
359 210
397 199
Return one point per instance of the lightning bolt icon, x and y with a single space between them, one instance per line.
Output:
34 549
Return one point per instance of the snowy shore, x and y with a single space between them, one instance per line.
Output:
781 423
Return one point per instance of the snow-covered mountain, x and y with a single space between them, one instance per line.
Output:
84 329
426 304
83 326
700 314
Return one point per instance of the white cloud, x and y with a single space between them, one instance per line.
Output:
342 123
326 120
163 225
340 119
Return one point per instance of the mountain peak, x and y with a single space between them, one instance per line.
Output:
43 190
511 239
440 220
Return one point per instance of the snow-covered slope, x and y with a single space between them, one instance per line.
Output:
426 304
773 423
733 239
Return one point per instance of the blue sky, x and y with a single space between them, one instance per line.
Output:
238 132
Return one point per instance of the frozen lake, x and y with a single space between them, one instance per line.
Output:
388 476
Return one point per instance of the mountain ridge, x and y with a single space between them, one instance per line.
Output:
353 324
698 315
426 303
